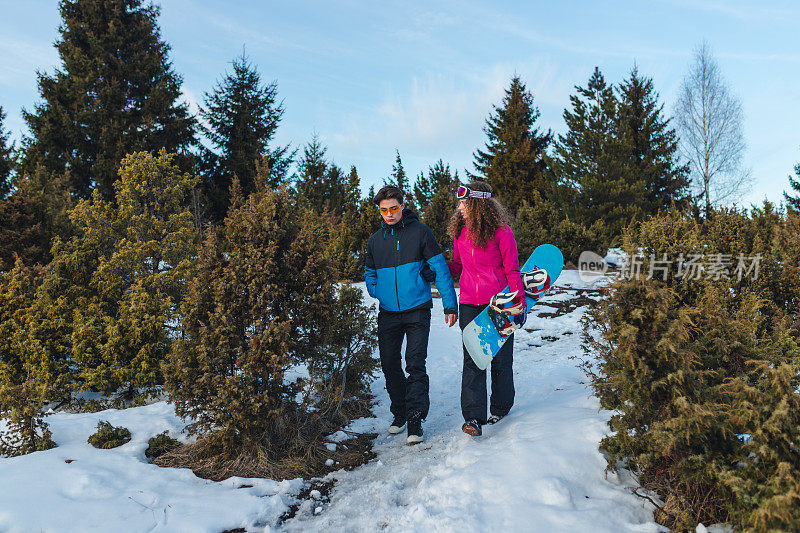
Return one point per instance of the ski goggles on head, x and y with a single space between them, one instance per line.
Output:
464 192
386 210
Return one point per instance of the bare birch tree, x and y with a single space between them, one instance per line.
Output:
709 121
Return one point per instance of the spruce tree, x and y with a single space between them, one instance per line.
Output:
427 185
368 221
794 201
320 184
399 179
590 162
344 231
435 195
649 145
6 158
35 213
243 115
309 182
513 162
115 93
398 176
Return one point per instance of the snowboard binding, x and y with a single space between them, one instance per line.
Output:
507 312
536 283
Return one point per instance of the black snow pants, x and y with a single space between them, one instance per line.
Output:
473 379
408 394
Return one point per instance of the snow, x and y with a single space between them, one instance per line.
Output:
117 489
538 469
616 257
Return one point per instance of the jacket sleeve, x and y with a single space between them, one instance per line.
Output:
508 254
432 253
455 265
370 274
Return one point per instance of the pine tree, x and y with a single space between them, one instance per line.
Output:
6 158
513 162
115 93
649 145
427 185
435 194
794 201
398 176
368 221
343 234
320 185
399 179
35 213
590 164
242 115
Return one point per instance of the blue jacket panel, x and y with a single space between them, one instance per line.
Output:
396 256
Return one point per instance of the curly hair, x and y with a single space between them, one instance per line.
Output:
484 217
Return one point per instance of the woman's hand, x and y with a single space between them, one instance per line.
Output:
450 319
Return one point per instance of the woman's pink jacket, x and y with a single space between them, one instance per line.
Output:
485 271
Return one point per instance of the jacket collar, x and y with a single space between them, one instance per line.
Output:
409 216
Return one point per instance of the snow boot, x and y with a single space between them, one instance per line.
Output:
472 427
414 428
494 419
397 425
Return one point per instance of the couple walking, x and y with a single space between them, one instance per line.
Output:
402 259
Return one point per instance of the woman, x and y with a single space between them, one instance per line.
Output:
485 258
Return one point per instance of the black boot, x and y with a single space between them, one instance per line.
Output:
472 427
397 425
414 428
494 419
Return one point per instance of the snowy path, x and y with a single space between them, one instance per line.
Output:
539 469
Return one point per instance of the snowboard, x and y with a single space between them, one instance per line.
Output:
481 337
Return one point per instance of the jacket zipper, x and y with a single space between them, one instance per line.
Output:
477 274
396 289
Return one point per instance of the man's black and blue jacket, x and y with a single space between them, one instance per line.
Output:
396 256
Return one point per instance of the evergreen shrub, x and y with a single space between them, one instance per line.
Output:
263 312
160 444
108 436
702 374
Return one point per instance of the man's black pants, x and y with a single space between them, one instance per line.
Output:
408 394
473 379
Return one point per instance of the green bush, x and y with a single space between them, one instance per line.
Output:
160 444
702 374
108 436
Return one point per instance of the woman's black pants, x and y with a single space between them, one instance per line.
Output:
473 379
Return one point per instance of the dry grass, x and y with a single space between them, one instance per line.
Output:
295 450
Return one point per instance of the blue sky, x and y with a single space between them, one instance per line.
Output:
421 77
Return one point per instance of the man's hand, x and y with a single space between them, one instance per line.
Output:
450 319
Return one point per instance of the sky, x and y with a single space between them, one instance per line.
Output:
421 78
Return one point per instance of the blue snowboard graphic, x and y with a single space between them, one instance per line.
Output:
481 337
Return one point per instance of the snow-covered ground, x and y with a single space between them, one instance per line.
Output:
539 469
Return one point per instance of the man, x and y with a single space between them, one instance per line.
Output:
398 261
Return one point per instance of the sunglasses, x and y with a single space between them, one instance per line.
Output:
464 192
385 210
